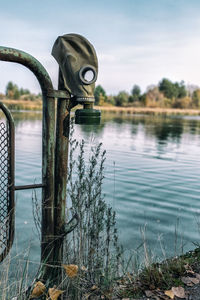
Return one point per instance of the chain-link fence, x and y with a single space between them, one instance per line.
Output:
4 192
6 181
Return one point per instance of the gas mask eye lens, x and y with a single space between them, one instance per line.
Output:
88 75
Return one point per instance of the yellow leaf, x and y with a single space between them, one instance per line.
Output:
71 270
54 293
38 290
170 294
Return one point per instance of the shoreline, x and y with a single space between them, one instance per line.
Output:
22 104
148 110
37 105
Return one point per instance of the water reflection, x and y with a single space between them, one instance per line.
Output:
164 129
26 116
148 191
168 129
193 126
161 128
86 130
152 173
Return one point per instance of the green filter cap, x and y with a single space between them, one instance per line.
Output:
87 116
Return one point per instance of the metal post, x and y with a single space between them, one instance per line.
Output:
48 157
61 162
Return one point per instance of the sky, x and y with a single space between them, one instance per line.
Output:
137 41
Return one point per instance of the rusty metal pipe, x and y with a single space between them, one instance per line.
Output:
61 162
28 187
27 60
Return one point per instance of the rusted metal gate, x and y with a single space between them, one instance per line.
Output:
74 88
48 164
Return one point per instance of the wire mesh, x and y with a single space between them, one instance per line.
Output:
7 178
4 189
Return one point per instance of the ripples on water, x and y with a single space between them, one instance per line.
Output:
152 177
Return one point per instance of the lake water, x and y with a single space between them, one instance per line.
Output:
152 178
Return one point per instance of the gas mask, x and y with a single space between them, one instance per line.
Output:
79 66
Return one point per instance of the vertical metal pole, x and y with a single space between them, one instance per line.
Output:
61 161
48 162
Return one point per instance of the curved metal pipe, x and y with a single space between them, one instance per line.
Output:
48 144
23 58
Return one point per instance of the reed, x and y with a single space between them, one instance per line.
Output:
15 275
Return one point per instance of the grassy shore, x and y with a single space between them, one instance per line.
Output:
37 105
22 104
148 110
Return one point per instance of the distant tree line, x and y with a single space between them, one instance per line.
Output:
14 92
166 94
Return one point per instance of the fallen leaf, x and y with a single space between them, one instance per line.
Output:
190 281
179 291
170 294
38 290
195 280
71 270
187 281
54 293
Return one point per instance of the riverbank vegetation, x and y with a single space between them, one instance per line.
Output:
165 97
165 94
17 98
13 92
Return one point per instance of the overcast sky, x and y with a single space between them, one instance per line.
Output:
137 41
